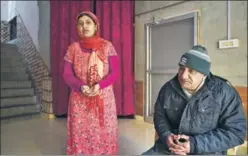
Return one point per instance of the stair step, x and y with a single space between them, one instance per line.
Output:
13 74
11 61
17 92
10 58
13 102
10 52
19 110
13 70
10 55
11 64
9 46
12 77
16 84
22 117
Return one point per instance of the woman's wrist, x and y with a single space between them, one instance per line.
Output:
100 85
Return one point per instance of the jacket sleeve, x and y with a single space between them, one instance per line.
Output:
161 123
231 130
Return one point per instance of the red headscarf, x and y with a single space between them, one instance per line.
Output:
93 42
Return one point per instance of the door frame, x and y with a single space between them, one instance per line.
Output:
147 100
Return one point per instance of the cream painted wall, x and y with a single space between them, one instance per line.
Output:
4 10
36 16
229 63
44 31
29 12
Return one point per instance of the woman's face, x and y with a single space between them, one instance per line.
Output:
86 27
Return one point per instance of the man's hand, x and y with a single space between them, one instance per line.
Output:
184 148
173 146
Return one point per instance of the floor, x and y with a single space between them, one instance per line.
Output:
40 136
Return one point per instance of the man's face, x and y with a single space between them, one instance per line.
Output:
189 78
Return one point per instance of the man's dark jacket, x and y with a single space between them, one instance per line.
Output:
213 117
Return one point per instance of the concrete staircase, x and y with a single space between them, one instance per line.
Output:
17 94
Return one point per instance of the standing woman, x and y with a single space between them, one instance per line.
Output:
90 69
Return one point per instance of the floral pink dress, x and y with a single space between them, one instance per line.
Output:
85 135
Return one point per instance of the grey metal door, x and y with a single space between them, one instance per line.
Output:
167 40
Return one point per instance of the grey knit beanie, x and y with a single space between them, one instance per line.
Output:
197 58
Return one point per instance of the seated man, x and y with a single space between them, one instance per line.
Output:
201 108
